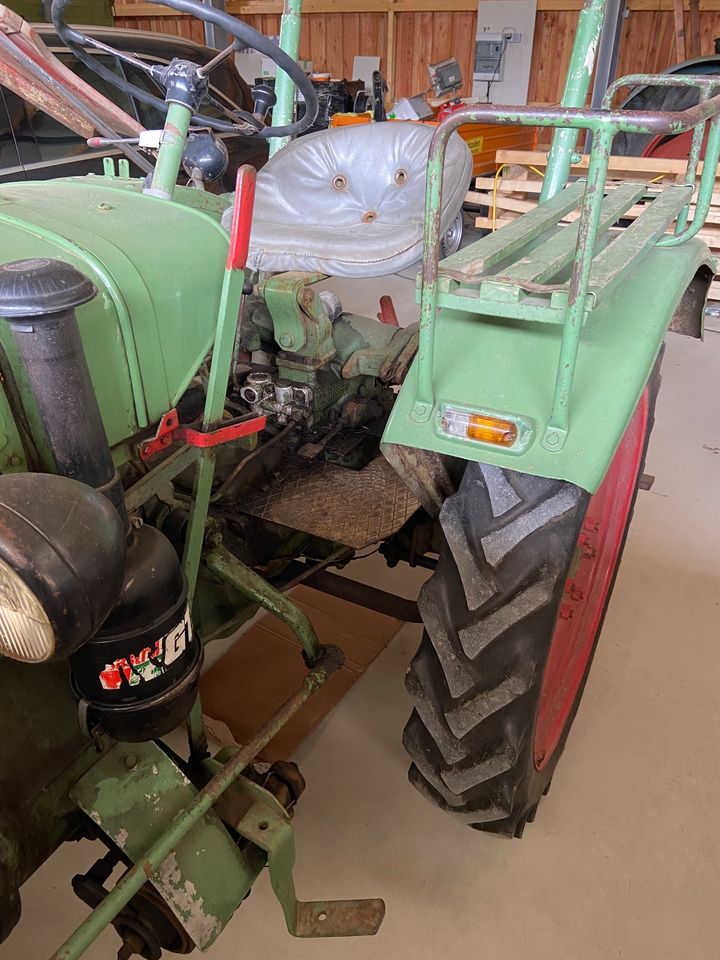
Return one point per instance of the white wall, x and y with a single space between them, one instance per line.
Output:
493 17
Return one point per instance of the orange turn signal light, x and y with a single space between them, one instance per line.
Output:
501 433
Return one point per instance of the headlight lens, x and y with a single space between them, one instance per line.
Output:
25 631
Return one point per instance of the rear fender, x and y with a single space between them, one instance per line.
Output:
689 315
508 367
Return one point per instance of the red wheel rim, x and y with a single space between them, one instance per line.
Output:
587 587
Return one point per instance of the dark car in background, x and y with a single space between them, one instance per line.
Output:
35 146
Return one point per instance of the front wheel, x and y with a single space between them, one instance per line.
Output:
512 616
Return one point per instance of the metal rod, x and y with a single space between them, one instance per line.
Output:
120 54
231 296
142 871
208 68
608 54
557 428
705 190
241 464
698 138
215 36
172 145
365 596
577 85
232 571
284 86
706 84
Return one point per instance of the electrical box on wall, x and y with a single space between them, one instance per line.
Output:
489 57
504 40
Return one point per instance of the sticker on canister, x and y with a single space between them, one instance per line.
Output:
152 661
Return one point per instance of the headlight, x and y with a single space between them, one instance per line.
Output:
62 562
25 631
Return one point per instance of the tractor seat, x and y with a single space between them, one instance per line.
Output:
350 201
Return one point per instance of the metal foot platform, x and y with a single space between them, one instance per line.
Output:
354 507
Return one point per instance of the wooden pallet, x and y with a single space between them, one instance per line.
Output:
516 191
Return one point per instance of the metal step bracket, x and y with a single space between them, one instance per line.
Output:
266 823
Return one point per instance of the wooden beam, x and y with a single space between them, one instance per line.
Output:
679 14
694 49
390 57
246 8
706 6
250 8
646 166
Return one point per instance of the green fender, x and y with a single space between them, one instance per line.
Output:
508 366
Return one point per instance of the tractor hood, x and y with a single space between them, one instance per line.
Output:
158 267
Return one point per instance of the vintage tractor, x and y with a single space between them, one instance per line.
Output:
189 428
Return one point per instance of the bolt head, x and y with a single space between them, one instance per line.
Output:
286 340
553 439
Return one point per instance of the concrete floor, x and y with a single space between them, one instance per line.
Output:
623 860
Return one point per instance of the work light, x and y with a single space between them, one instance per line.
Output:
62 562
25 630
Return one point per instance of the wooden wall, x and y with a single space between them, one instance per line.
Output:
409 34
406 40
648 43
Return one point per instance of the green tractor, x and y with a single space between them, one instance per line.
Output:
190 426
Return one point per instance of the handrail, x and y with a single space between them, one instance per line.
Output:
704 84
604 124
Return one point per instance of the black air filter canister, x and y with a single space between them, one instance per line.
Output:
138 676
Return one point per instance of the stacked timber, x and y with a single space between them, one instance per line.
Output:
516 189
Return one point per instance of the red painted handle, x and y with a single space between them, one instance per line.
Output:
242 218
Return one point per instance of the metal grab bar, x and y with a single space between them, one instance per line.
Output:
705 84
604 124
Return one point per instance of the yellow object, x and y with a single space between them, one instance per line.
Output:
502 433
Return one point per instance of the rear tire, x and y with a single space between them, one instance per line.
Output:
509 633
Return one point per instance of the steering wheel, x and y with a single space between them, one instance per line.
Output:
244 36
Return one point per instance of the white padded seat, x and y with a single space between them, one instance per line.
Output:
350 201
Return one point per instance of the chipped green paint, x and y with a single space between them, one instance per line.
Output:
577 85
190 813
284 86
266 823
172 145
133 794
256 588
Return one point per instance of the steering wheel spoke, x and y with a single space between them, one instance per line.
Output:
189 84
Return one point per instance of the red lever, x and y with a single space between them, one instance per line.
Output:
387 312
241 218
170 430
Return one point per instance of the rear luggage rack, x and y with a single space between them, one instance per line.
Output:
536 269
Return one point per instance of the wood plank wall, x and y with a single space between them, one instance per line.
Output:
424 34
648 45
331 40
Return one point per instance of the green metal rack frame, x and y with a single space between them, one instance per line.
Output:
501 259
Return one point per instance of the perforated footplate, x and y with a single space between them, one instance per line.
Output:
353 507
